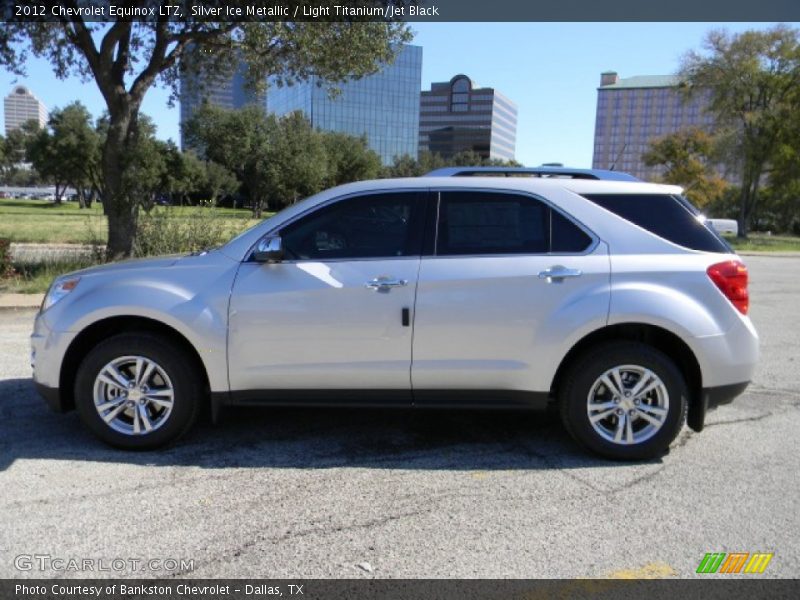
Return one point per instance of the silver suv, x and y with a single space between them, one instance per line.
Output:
609 297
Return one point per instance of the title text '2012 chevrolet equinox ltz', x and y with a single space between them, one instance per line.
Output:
606 295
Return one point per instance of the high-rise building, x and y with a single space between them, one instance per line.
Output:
384 106
456 116
228 92
21 106
633 112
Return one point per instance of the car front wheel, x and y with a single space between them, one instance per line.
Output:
624 400
137 391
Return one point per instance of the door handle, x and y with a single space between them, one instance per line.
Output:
558 272
381 284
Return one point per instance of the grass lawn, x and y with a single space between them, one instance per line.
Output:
35 279
41 221
761 242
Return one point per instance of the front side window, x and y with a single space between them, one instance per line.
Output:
497 223
370 226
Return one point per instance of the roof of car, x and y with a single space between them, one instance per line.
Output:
548 171
579 186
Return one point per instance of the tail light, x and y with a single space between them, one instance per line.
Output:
731 279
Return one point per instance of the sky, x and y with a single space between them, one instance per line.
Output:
550 70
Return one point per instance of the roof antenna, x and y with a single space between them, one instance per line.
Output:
616 160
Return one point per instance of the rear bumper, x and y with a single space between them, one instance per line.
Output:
724 394
710 398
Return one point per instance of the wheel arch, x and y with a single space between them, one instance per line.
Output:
659 338
105 328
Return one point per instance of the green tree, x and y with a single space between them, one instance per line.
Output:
349 159
14 151
3 159
406 166
754 81
686 155
216 182
239 140
182 173
70 150
45 159
125 59
297 161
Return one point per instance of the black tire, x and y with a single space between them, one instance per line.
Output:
170 357
585 371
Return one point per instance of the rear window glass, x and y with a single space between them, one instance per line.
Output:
669 217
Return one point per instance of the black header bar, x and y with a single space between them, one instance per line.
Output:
732 588
404 10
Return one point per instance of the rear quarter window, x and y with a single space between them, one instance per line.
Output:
669 217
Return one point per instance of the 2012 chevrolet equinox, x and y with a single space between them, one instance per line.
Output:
608 296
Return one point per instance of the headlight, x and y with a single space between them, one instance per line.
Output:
59 289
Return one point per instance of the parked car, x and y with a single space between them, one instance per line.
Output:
729 226
605 296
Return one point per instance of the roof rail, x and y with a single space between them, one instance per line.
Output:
543 171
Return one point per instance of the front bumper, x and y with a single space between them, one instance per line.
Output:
48 349
53 397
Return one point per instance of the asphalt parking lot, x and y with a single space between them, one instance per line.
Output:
311 493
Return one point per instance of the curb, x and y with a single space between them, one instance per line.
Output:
20 301
787 254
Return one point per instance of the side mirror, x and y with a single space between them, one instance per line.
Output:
269 250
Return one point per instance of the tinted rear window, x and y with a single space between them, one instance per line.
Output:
566 236
477 223
489 223
669 217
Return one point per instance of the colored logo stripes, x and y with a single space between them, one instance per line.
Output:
735 562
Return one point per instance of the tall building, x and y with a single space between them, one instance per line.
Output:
384 106
21 106
227 92
456 116
632 112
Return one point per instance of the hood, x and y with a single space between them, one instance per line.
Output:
131 265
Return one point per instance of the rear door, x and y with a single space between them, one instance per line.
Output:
510 279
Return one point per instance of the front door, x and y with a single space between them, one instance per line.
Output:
334 314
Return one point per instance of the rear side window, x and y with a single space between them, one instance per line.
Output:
566 236
498 223
484 223
664 215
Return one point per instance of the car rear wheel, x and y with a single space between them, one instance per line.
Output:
624 400
137 391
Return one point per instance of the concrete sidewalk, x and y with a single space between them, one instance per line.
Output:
20 301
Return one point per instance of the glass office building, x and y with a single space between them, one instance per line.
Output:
633 112
225 91
457 116
384 107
